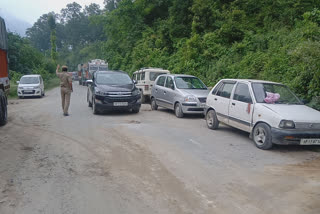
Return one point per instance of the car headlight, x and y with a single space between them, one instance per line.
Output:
135 93
21 88
36 87
287 124
98 92
190 98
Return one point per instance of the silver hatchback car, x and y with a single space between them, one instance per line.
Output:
185 94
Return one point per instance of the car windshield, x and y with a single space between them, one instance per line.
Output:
113 79
274 94
153 75
29 80
93 68
103 68
189 83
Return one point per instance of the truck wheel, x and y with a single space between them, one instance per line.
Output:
3 109
178 110
154 105
262 136
212 120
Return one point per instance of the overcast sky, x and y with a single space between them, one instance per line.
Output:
31 10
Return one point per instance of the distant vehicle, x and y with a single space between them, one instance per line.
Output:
269 111
185 94
113 90
4 74
145 78
86 70
74 75
83 73
30 86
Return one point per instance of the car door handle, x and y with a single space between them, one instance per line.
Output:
215 99
164 92
233 104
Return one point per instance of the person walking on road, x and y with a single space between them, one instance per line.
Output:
66 88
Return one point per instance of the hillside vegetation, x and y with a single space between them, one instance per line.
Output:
212 39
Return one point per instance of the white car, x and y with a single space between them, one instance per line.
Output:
269 111
30 86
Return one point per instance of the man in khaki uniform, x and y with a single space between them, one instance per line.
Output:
66 88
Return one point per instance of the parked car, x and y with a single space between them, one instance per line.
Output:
269 111
30 86
145 78
185 94
113 90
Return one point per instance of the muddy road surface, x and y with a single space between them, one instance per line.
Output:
150 162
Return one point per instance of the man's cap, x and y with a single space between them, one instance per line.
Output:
64 67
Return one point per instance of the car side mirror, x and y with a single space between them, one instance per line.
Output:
172 87
134 81
18 82
89 82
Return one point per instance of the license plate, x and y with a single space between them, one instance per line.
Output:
310 142
27 91
120 104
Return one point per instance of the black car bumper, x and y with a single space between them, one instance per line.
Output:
108 103
111 107
292 137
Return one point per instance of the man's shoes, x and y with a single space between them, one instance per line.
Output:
66 114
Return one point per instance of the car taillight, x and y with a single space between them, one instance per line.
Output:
146 87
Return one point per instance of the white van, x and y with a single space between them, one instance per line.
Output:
145 78
30 86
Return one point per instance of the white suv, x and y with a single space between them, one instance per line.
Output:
145 78
269 111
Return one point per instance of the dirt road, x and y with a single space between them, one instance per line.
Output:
151 162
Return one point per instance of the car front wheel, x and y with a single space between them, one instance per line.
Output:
178 110
88 100
262 136
212 120
94 108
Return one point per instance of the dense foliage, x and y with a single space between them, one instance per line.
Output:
25 59
212 39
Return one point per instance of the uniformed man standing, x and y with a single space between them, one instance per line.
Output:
66 88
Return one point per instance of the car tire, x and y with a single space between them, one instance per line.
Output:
3 109
43 93
178 110
135 110
212 120
262 136
89 103
94 109
154 105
